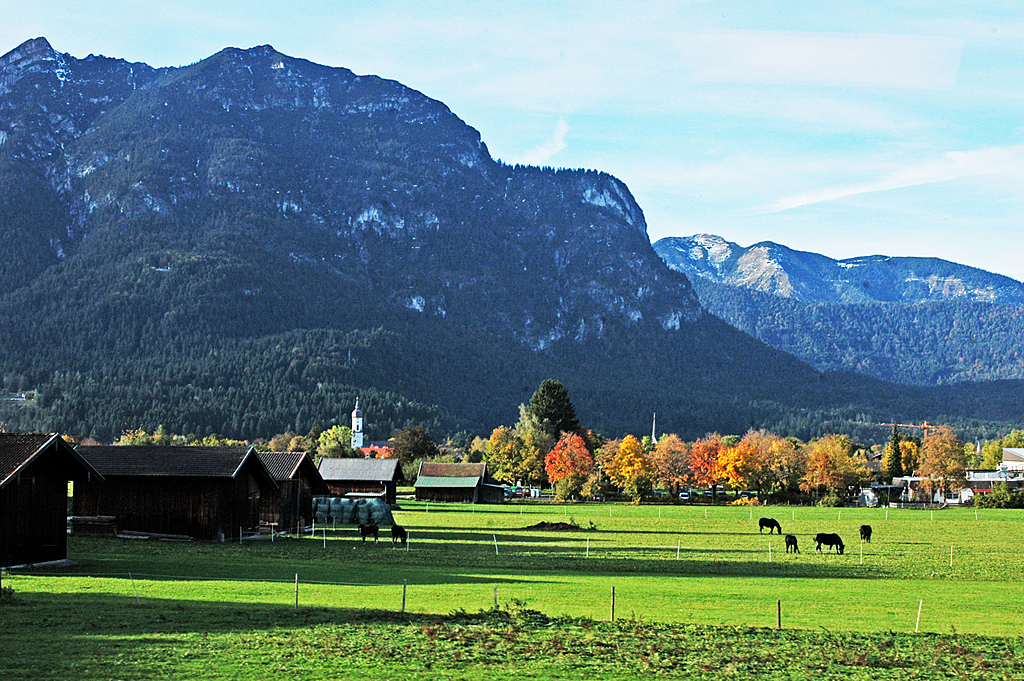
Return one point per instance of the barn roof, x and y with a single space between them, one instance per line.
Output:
453 470
432 474
370 470
166 461
447 481
18 450
291 466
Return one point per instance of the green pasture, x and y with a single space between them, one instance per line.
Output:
689 568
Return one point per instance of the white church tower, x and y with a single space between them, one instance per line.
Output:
357 427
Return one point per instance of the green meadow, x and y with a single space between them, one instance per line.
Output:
698 593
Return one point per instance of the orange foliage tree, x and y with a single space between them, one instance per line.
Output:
568 465
670 462
831 465
704 464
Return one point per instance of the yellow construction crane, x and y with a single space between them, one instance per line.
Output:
924 426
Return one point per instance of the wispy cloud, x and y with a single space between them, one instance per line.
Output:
954 165
541 154
834 58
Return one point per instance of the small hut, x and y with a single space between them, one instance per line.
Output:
199 492
34 473
373 478
290 507
457 482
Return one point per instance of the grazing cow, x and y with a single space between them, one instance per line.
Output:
865 533
791 544
367 530
770 523
829 540
399 534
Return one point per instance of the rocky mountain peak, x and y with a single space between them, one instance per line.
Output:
772 268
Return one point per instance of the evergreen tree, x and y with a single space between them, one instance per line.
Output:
553 410
894 457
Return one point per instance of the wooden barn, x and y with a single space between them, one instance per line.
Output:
457 482
290 507
363 477
200 492
34 472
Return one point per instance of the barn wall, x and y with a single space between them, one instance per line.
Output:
204 508
33 514
340 488
454 494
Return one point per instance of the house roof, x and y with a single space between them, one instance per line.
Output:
375 470
18 450
1013 454
166 461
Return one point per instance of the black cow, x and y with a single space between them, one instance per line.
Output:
399 534
770 523
865 533
367 530
829 540
791 544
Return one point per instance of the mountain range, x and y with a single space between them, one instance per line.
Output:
246 244
911 320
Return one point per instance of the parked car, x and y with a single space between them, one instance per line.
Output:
684 496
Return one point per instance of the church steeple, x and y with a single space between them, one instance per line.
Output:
357 427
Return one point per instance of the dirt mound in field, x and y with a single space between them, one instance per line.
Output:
554 527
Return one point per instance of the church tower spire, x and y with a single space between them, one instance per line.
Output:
357 427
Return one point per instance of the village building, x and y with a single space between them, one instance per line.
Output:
363 478
199 492
467 482
34 472
290 507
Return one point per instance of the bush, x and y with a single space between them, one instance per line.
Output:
6 594
833 500
745 501
790 498
1000 499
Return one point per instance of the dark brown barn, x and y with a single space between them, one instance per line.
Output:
201 492
457 482
363 477
34 473
290 507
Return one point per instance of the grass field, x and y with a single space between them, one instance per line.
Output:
687 579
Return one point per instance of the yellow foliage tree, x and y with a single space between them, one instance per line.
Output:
631 470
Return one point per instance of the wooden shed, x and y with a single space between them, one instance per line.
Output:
200 492
34 472
457 482
290 507
363 477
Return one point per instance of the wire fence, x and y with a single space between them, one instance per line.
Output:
626 600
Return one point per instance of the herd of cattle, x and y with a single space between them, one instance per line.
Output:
822 538
398 533
832 541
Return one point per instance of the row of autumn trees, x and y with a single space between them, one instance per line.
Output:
548 444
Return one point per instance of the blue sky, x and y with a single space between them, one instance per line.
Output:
860 129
